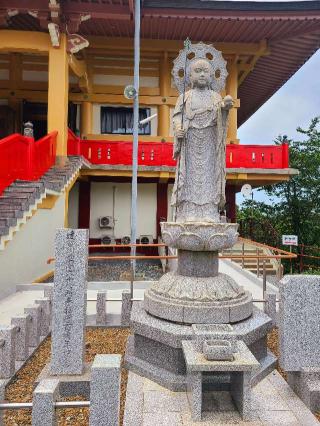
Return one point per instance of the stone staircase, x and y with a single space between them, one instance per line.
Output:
251 264
21 198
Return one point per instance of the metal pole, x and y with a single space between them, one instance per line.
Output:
258 263
243 255
291 260
264 280
29 405
134 188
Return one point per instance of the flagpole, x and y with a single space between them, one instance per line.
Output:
134 186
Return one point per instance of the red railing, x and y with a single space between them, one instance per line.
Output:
160 153
24 158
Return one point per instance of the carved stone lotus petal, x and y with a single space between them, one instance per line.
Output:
190 241
217 241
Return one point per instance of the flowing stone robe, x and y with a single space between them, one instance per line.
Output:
199 189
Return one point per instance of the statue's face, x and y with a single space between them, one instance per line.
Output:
200 73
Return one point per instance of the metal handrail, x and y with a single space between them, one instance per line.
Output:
29 405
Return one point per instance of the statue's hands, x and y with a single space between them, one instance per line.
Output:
227 102
180 133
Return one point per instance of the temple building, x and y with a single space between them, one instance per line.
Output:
64 66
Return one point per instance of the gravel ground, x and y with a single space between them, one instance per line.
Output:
119 270
98 341
112 340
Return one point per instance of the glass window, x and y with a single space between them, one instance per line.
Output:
120 120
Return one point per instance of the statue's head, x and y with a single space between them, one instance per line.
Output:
201 73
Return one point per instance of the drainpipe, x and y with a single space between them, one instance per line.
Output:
134 188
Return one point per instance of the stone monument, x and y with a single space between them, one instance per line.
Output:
197 292
196 300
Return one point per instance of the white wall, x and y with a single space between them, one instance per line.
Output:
101 205
96 122
73 208
24 258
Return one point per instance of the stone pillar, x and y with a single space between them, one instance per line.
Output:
35 313
23 324
126 308
270 306
101 315
58 90
7 351
105 390
44 398
44 315
198 263
69 301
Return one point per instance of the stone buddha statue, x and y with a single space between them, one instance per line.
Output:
200 122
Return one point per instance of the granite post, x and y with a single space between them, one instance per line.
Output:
44 327
69 301
44 398
105 390
270 306
126 308
299 318
23 324
101 315
7 351
35 313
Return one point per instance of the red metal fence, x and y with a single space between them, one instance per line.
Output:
24 158
160 153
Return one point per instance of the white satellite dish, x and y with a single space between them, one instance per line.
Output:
130 92
246 190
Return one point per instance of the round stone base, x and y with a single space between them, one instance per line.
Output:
188 300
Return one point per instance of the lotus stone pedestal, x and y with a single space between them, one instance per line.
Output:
197 292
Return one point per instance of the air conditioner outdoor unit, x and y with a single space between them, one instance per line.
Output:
125 240
106 222
107 240
146 239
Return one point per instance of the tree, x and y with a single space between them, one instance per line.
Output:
298 205
296 209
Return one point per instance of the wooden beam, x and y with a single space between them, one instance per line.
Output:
80 69
24 41
126 44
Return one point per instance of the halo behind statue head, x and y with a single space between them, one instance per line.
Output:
195 52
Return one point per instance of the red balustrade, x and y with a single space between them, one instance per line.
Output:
22 157
160 153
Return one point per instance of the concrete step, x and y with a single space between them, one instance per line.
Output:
29 184
8 221
4 230
18 214
16 198
19 205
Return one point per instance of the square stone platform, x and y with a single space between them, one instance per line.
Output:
155 349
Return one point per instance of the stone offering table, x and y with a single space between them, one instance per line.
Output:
240 371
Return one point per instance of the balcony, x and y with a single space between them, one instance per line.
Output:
160 153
